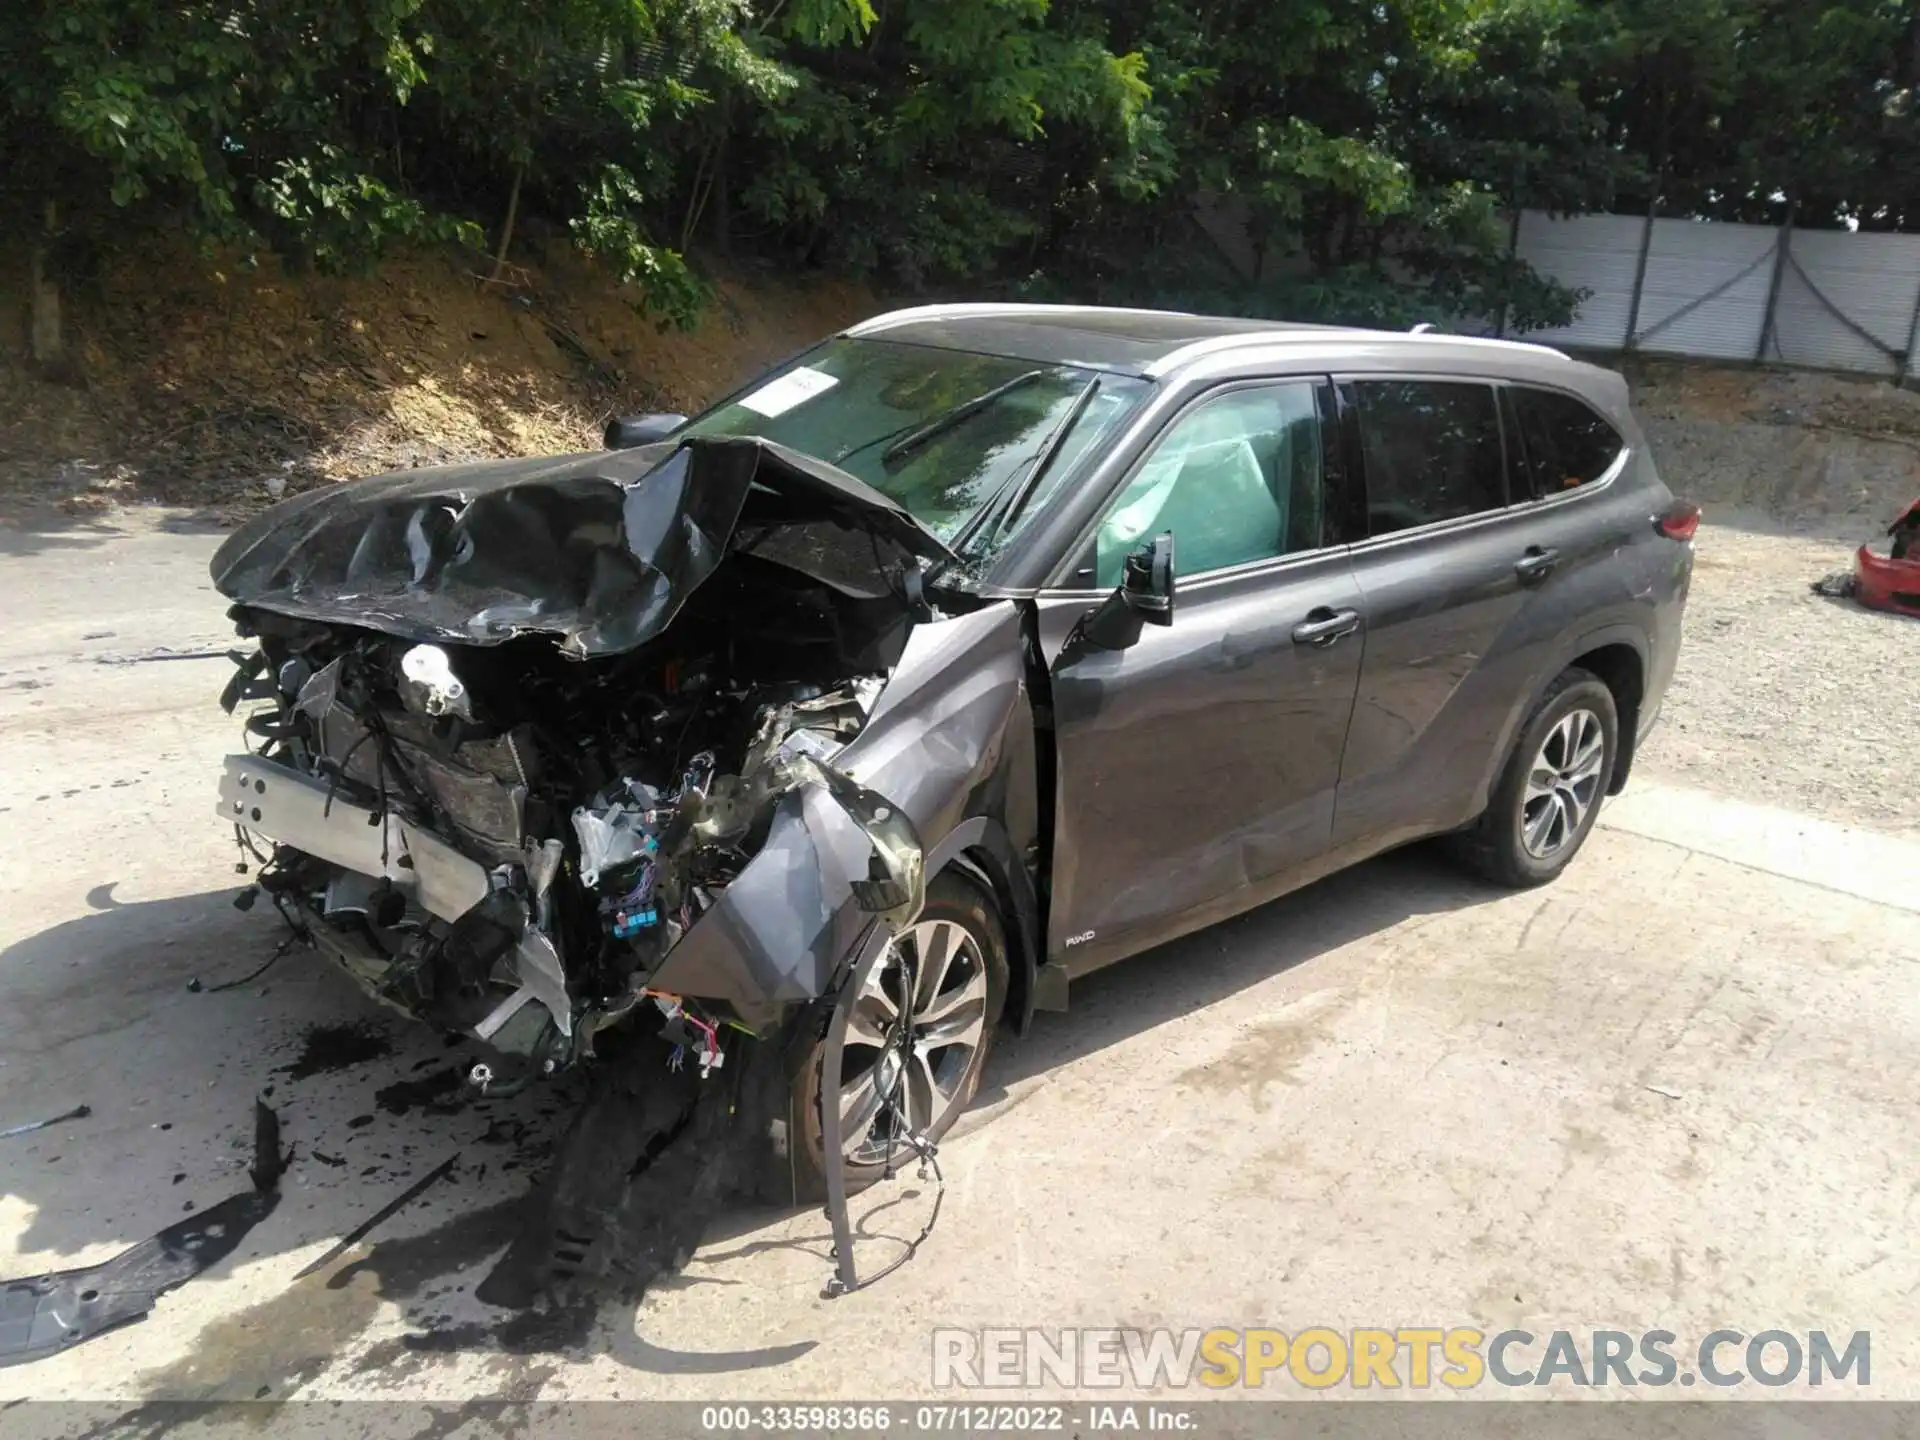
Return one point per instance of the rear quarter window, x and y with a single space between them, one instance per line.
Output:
1568 444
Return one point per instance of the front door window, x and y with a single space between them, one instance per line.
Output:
1236 479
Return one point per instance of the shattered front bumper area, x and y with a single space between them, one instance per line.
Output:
289 808
540 745
639 758
430 930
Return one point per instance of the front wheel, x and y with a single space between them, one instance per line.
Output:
1549 794
923 1020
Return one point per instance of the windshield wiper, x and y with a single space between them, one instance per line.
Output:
960 413
1017 488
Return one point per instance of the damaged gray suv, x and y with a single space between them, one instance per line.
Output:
976 648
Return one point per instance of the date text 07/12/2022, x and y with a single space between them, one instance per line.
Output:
942 1418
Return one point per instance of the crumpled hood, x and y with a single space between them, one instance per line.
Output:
598 550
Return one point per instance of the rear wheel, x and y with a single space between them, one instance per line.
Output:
1548 796
923 1020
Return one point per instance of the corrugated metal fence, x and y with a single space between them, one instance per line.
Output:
1825 299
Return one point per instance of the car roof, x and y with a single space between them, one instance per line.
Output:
1093 336
1156 343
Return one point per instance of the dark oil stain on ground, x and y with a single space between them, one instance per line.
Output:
318 1324
326 1048
523 1333
289 1339
438 1093
404 1265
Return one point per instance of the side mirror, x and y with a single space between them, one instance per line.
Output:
1145 594
626 431
1147 582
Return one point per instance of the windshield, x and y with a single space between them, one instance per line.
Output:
940 432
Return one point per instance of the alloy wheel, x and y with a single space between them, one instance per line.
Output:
1563 784
912 1037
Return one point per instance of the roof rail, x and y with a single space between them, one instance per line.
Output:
984 310
1213 344
1320 334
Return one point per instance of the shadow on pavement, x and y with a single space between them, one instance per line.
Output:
177 1069
1211 965
30 529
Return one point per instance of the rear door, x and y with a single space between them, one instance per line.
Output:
1585 523
1196 768
1439 588
1566 452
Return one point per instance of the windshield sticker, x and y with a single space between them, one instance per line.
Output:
776 397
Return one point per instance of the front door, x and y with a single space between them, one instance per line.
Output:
1197 765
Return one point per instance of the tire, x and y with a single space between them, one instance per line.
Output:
1525 838
958 913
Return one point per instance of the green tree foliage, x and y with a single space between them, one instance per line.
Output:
929 140
1366 150
1738 109
1336 159
327 131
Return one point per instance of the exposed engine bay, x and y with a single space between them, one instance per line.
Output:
510 828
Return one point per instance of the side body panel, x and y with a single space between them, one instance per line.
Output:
1437 731
951 736
953 741
1441 609
1197 767
1631 592
1459 646
950 741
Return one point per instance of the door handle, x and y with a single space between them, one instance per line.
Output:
1536 564
1323 626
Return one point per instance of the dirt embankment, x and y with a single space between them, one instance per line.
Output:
1783 451
219 386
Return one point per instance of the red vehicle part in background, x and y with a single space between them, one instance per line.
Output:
1892 581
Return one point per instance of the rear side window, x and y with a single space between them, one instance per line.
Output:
1431 449
1567 444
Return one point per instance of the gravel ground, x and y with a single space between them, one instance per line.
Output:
1788 698
1783 696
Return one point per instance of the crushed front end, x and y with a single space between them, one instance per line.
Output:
515 732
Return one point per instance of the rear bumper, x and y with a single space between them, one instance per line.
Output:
1884 583
1664 637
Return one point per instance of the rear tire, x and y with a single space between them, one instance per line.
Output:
959 932
1548 796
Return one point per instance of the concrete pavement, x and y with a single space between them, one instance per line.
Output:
1671 1091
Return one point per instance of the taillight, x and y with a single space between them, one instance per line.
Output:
1679 520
